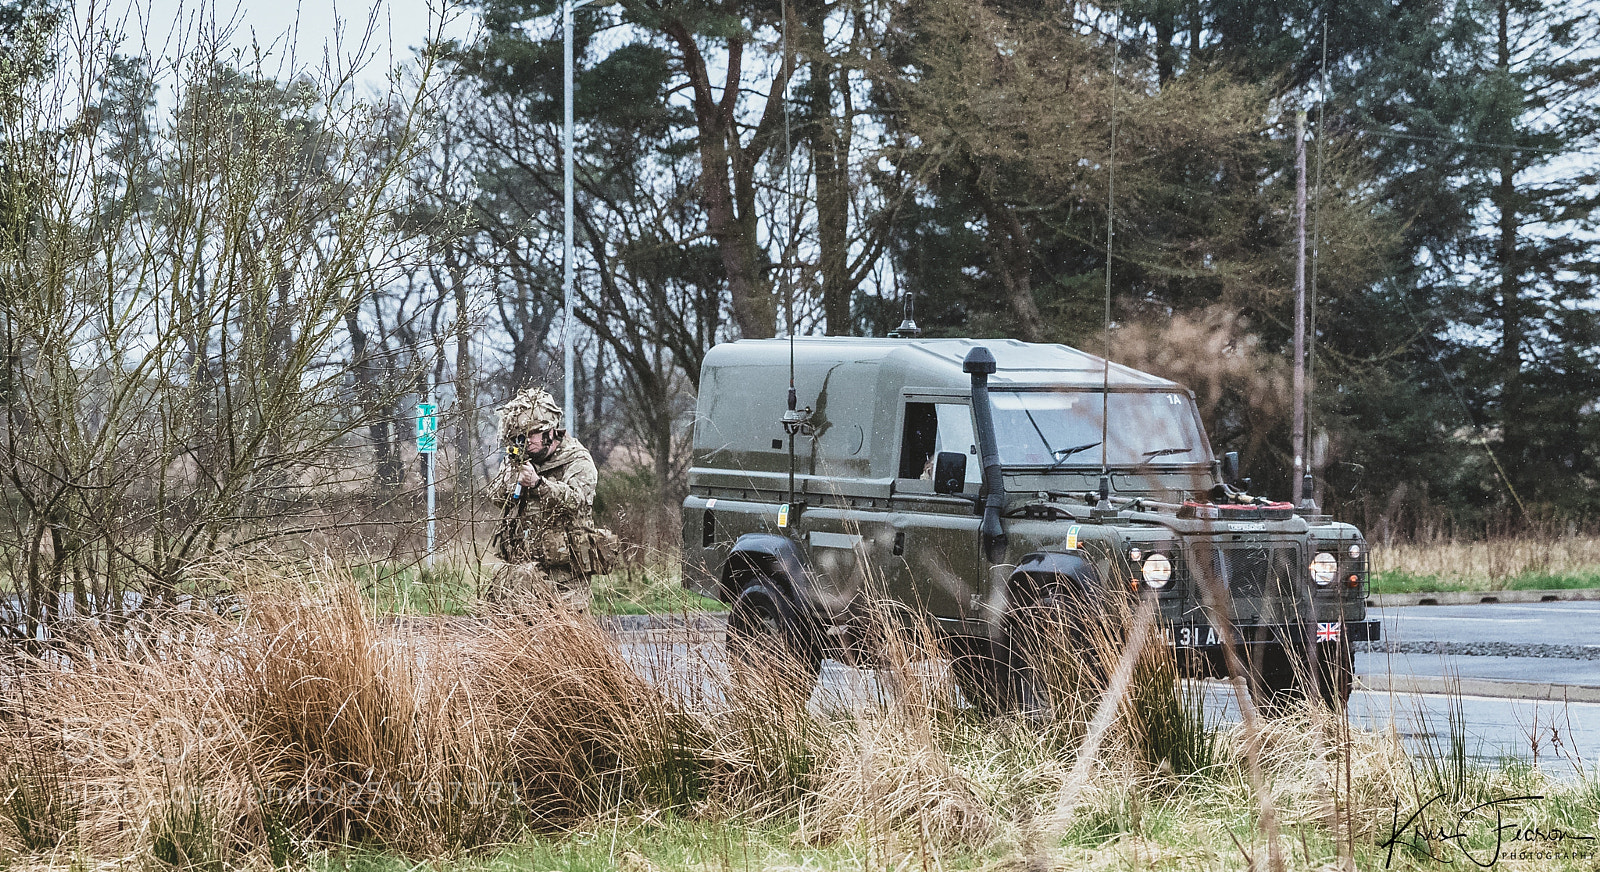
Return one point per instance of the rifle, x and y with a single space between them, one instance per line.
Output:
515 454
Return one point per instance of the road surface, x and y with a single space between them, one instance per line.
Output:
1441 674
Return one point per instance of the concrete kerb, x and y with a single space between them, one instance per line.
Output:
1452 686
1472 598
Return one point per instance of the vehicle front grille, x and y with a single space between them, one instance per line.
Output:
1251 570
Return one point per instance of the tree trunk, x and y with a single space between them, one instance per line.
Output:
727 185
466 389
830 161
1012 251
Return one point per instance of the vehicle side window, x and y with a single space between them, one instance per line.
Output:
918 439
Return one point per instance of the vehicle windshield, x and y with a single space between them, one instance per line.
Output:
1062 429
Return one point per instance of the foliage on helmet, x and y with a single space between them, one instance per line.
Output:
530 410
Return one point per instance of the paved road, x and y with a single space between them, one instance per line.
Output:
1428 680
1442 666
1547 643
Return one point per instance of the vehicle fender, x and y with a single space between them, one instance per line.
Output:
777 557
1069 572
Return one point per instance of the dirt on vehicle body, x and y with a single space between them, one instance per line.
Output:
970 481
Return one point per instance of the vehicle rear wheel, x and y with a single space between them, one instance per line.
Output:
769 640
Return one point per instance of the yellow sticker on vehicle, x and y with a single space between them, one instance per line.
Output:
1072 537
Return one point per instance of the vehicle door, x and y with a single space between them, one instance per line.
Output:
935 536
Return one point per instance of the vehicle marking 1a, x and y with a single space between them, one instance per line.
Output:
1072 537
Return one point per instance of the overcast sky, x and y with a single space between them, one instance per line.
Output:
297 34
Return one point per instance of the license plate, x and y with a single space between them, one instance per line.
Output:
1191 636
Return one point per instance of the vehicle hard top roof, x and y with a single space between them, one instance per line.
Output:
937 362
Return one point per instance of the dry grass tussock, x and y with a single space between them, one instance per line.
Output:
1493 561
309 723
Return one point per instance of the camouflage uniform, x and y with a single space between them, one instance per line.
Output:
548 538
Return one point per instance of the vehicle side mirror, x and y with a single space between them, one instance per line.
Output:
949 472
1230 468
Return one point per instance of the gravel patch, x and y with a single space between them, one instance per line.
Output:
1482 649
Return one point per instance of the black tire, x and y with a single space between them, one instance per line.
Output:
1273 687
1336 667
770 640
1278 678
1043 650
983 678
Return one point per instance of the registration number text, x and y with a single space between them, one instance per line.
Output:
1191 636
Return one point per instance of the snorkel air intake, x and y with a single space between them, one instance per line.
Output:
980 364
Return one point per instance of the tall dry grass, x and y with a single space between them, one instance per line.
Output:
205 743
313 722
1491 562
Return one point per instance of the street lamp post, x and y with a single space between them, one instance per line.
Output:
569 405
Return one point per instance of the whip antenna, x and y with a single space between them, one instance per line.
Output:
1104 503
1316 245
795 420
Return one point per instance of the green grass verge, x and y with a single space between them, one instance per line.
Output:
1196 823
452 590
1399 581
667 842
647 590
410 589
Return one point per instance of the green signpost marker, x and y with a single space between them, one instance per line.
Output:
427 444
427 427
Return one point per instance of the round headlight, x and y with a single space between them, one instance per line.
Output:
1157 571
1135 555
1355 551
1324 568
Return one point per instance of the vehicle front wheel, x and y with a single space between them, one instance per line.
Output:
1279 680
1273 685
1049 652
769 640
1336 662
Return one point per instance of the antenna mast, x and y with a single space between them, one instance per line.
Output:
1299 306
1316 245
795 421
1104 504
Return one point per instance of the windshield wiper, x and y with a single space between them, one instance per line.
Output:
1163 452
1061 454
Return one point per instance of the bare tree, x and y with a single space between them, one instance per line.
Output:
178 304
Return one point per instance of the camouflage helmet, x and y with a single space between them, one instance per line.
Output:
533 409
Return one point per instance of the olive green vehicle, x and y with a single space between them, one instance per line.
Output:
970 482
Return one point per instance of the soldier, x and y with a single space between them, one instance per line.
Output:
548 538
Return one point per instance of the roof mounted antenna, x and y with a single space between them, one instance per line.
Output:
1308 485
908 328
795 421
1104 503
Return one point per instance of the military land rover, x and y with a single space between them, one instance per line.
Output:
967 481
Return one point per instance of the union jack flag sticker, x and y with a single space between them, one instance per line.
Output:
1327 632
